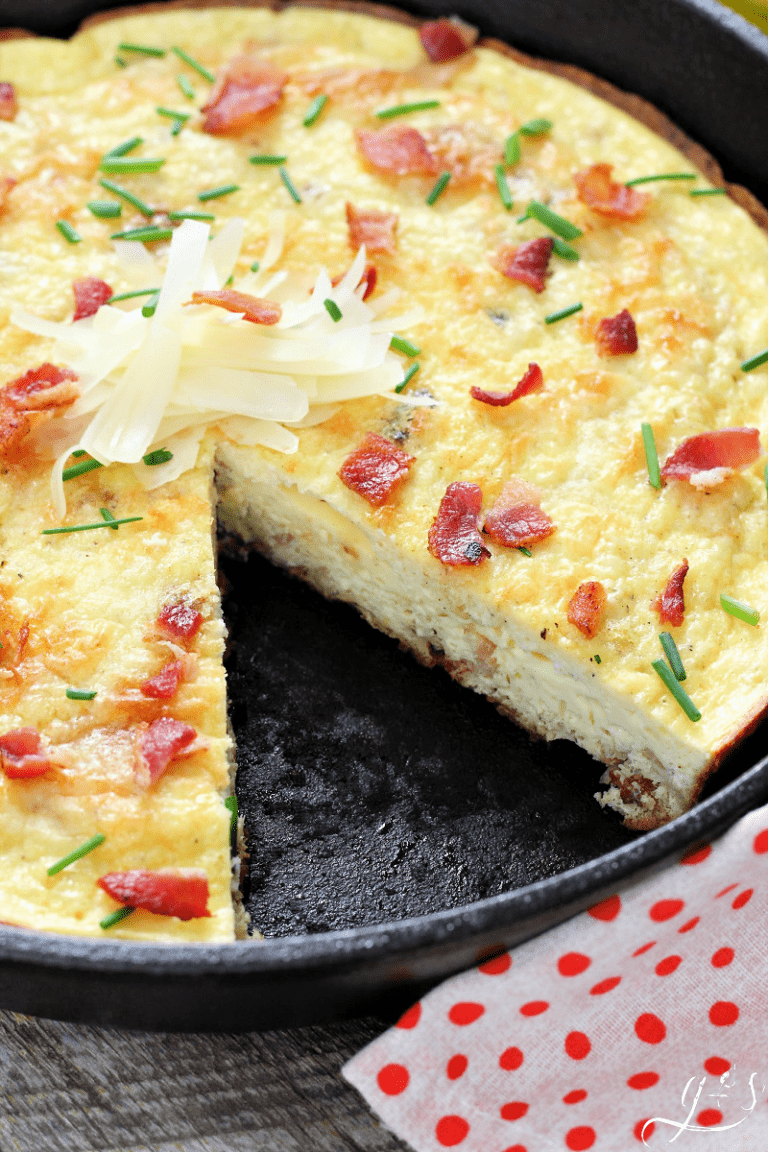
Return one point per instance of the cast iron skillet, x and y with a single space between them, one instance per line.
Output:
402 830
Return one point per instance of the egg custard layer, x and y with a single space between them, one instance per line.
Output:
561 633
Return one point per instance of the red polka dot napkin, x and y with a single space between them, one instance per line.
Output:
643 1021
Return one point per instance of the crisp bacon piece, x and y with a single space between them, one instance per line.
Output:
532 381
40 392
670 604
616 335
587 608
165 684
374 229
21 754
375 469
398 149
180 620
90 294
244 94
454 537
446 39
516 518
707 459
180 892
605 196
164 740
526 262
369 278
256 310
9 105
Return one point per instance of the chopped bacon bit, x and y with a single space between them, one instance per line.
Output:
375 469
670 603
374 229
90 294
516 518
616 335
164 740
180 892
245 92
21 754
9 105
256 310
587 607
454 537
165 684
397 149
603 195
180 620
369 278
526 262
532 381
447 39
38 393
707 459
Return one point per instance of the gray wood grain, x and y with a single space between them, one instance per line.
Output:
71 1088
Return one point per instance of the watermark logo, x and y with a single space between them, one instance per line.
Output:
689 1124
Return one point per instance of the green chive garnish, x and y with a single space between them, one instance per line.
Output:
131 165
672 654
503 186
78 853
255 266
146 235
142 49
563 314
177 126
535 127
79 452
651 456
214 193
80 469
149 308
124 148
231 804
290 186
159 456
124 194
186 87
708 192
80 694
131 296
267 159
560 248
439 187
229 280
755 361
120 62
400 344
597 659
89 527
199 68
68 232
680 694
172 114
407 378
739 610
314 110
403 109
525 551
105 209
333 310
108 517
765 477
512 150
557 224
116 917
191 216
661 176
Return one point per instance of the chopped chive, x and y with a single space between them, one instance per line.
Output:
438 188
89 527
231 804
80 694
266 158
255 266
124 194
563 314
708 192
765 478
755 361
560 248
159 456
120 62
68 232
557 224
403 109
661 176
186 87
214 193
525 551
314 110
290 186
229 280
191 216
739 610
536 127
199 68
116 917
149 308
142 49
512 150
664 672
131 165
407 378
400 344
78 853
523 218
177 126
146 235
80 469
105 209
597 659
503 186
672 654
651 456
79 452
172 114
124 148
333 310
108 517
131 296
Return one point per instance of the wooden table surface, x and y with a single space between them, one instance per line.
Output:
71 1088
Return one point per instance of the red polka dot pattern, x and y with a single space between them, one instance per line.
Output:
573 964
456 1066
725 891
723 1013
641 1132
577 1045
534 1008
760 843
451 1130
643 1080
666 909
497 966
410 1018
575 1097
605 986
393 1079
743 898
516 1148
644 948
465 1013
511 1059
697 855
689 924
515 1110
610 908
716 1066
709 1117
579 1139
650 1029
668 965
723 957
